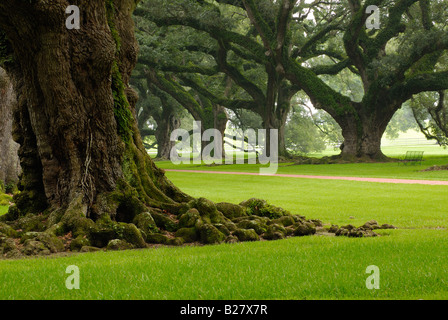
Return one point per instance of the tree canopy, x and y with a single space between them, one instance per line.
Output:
273 49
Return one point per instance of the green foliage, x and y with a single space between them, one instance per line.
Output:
430 111
402 121
302 136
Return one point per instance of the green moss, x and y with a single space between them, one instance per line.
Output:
74 220
164 221
257 226
131 234
5 199
275 232
122 112
284 221
79 242
231 210
246 235
145 222
189 218
209 234
110 15
117 244
208 211
8 230
261 208
157 238
188 234
30 202
304 229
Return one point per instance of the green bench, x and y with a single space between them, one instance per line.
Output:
412 157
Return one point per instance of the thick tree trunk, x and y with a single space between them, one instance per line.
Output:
78 136
362 135
9 159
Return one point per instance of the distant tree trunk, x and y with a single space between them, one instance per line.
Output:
167 123
9 159
275 117
220 119
363 132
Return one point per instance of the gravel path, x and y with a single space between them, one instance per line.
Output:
381 180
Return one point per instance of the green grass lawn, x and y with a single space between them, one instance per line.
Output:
412 266
332 201
373 170
412 260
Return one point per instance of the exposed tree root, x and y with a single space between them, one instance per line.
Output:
199 222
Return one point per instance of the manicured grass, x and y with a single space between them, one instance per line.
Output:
412 265
412 260
373 170
332 201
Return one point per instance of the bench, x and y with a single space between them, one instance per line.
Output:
413 157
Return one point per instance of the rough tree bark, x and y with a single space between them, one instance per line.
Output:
362 128
9 160
81 154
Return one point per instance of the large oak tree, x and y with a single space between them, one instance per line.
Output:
86 174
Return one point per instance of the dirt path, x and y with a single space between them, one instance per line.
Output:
381 180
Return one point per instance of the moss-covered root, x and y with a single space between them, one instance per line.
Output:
120 221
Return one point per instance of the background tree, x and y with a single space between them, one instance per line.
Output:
389 74
430 111
165 113
216 26
302 135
